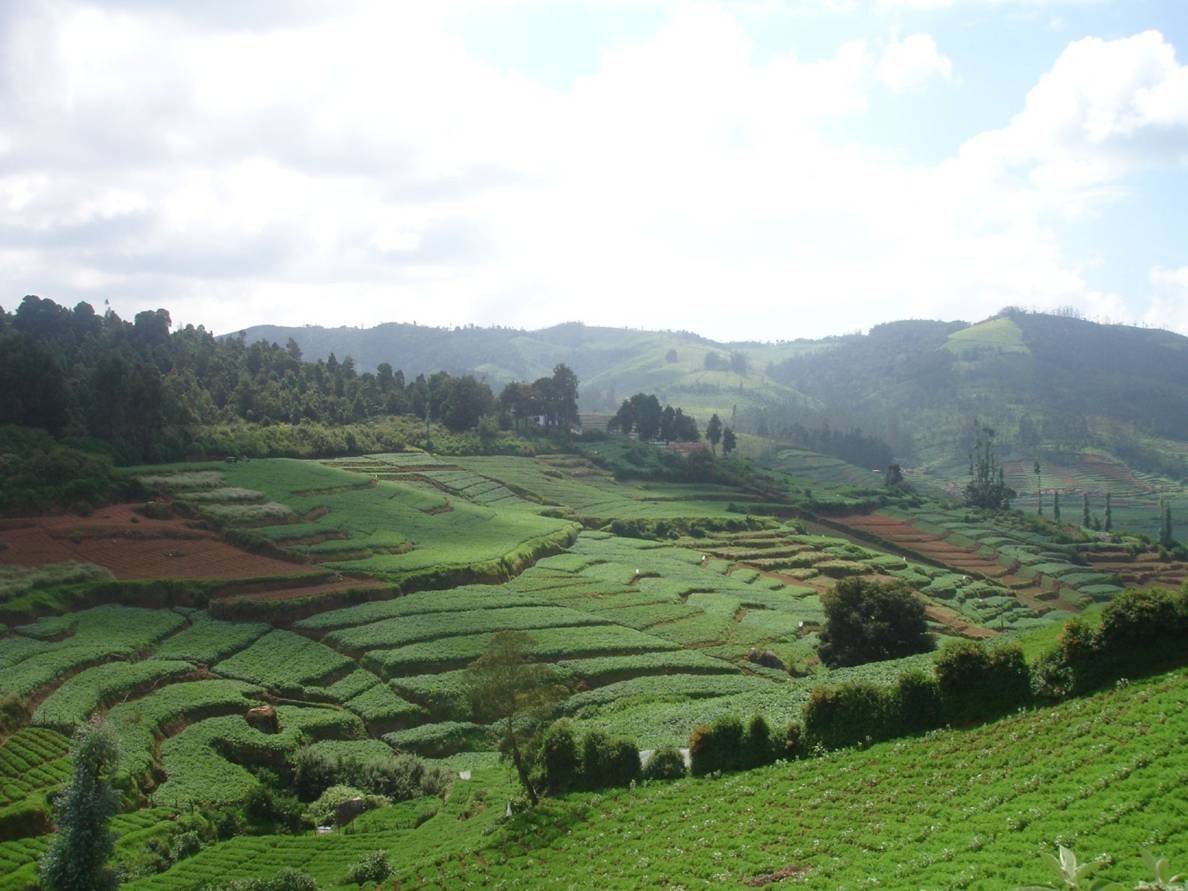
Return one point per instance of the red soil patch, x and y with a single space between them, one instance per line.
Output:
134 547
911 538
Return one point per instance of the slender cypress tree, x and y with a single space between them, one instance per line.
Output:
77 856
1086 520
1109 515
1039 492
1055 505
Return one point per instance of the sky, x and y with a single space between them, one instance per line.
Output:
749 170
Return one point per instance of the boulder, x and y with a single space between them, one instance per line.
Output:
263 718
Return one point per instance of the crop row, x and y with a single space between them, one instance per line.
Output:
208 640
549 643
30 760
411 629
283 660
78 697
466 597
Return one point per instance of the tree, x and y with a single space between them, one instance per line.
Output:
684 428
1056 506
77 856
1039 492
668 424
517 696
1109 515
624 418
1086 520
894 476
866 621
729 441
713 432
987 487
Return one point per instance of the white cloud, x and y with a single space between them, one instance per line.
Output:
364 167
1105 108
909 63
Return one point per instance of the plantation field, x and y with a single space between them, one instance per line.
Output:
354 523
593 496
822 469
971 809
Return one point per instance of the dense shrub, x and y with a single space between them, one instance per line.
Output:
847 715
371 867
608 762
272 808
559 758
977 684
716 747
757 746
868 621
324 811
915 704
1139 630
665 764
793 744
286 879
398 778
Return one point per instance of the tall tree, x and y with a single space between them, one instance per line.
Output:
1056 505
517 696
1109 515
987 486
1039 492
729 441
713 432
77 856
1086 519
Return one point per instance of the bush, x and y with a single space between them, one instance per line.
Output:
608 762
867 621
847 715
1140 630
915 704
793 745
757 748
324 811
399 778
665 764
270 807
716 747
559 757
286 879
371 867
977 684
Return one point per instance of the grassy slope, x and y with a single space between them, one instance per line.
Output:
969 809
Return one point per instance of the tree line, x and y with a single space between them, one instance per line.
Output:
141 389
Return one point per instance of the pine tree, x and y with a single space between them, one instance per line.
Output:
1056 506
1109 515
713 432
77 855
729 441
1039 491
1085 520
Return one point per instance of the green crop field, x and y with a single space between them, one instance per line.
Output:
424 559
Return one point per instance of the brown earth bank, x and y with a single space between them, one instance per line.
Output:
908 537
134 547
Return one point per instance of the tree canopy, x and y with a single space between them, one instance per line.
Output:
867 621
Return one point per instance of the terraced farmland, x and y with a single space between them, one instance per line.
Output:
397 572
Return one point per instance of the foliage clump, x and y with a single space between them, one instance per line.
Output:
868 621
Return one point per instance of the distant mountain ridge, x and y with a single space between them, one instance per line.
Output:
1014 368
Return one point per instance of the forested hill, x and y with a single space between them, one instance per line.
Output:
1059 381
612 363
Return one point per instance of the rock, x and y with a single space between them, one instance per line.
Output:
263 718
348 810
